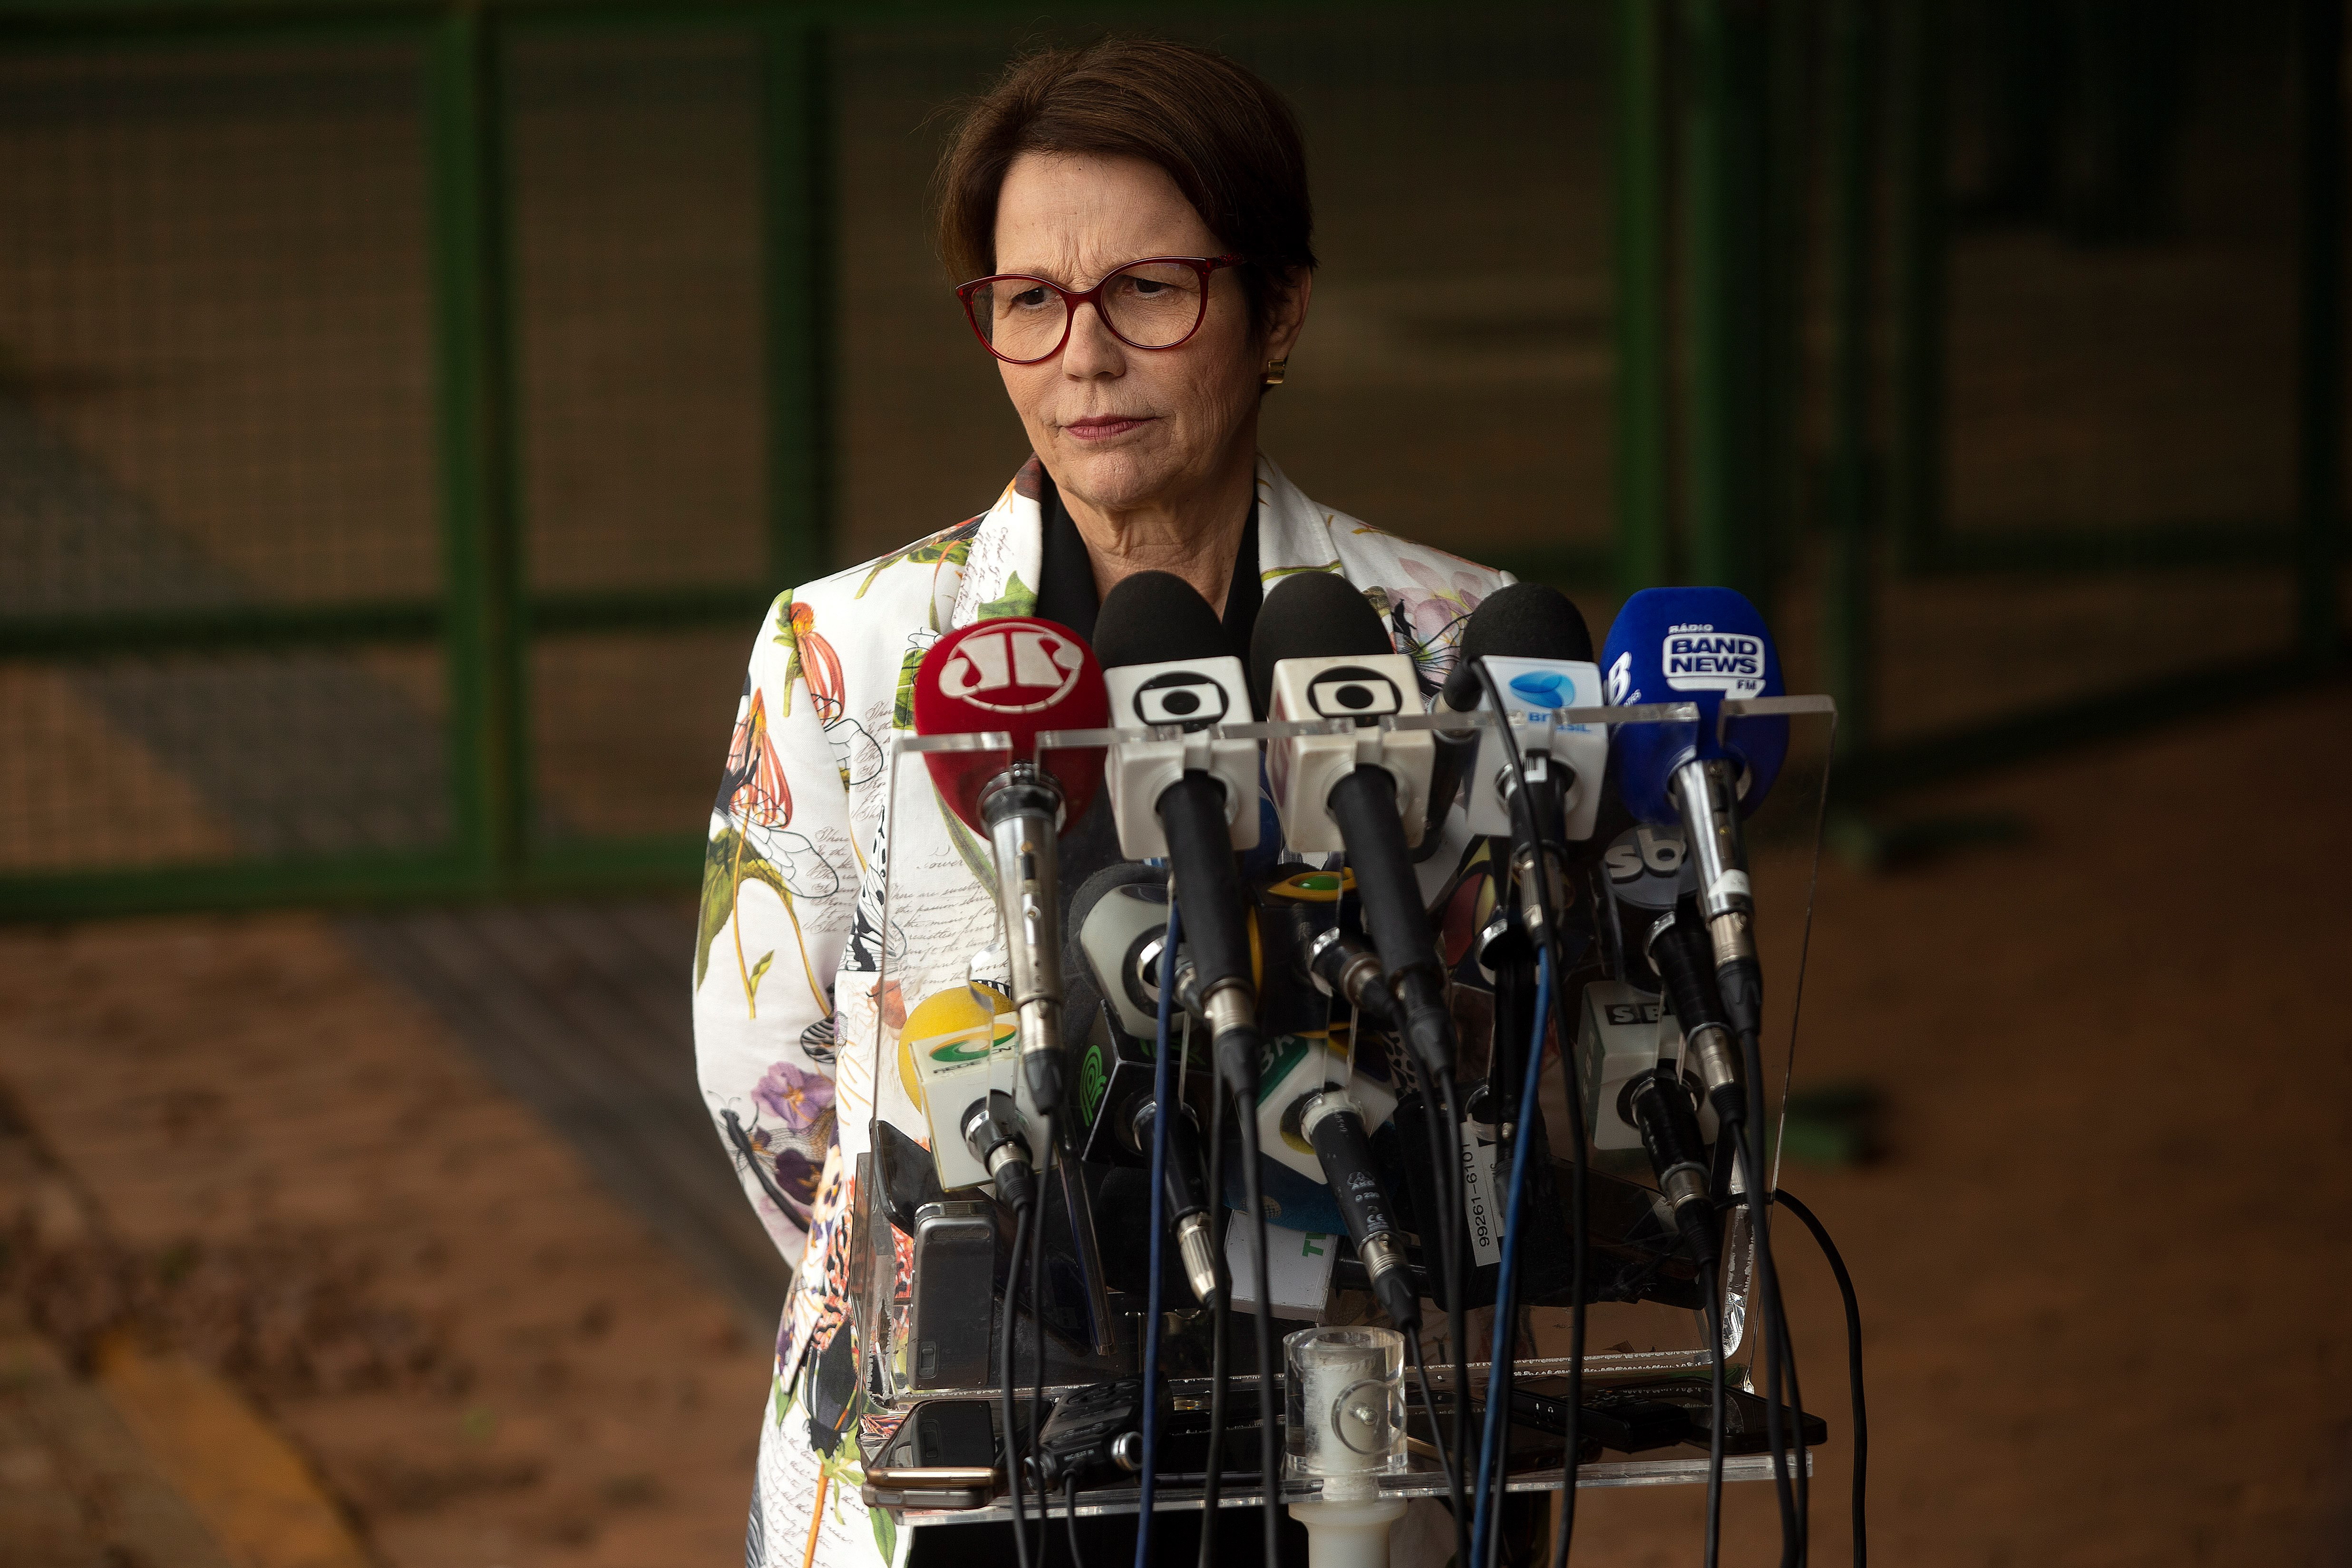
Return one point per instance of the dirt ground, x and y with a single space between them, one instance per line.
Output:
306 1183
2099 1260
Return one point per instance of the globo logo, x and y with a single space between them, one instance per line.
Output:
1021 669
1350 691
1184 697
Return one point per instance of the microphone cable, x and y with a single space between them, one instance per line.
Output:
1494 1455
1221 1322
1446 1191
1162 1071
1070 1520
1779 1365
1261 1324
1789 1201
1456 1331
1428 1409
1037 1368
1714 1377
1522 803
1006 1386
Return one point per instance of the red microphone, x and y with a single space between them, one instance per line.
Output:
1020 675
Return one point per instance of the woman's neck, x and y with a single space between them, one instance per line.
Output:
1194 536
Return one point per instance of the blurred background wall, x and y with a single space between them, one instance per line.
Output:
407 417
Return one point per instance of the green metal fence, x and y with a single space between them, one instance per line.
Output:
407 410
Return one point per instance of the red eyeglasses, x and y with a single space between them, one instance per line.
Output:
1156 303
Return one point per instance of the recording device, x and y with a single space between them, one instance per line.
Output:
1193 801
1702 645
943 1456
1334 1123
1019 676
1319 653
954 1276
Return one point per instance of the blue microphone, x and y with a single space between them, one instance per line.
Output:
1702 645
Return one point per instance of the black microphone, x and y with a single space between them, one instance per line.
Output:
1659 1104
1187 1189
1549 650
1682 952
1334 1123
1319 652
1118 920
1522 621
993 1133
1163 651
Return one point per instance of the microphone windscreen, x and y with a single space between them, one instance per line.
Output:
1524 621
1696 645
1153 618
1310 615
1021 675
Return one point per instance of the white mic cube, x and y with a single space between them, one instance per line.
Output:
1194 693
1364 688
1533 688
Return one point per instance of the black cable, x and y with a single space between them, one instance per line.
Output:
1458 1186
1429 1408
1715 1418
1221 1319
1523 805
1261 1322
1767 1298
1445 1193
1788 1200
1037 1370
1776 1328
1004 1383
1070 1519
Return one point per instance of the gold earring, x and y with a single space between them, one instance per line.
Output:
1274 373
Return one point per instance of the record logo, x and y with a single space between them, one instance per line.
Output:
1019 669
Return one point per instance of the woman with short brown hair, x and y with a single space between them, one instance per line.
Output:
1129 227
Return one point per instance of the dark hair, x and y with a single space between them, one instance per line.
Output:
1225 137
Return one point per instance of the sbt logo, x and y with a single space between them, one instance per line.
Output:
1654 852
1702 660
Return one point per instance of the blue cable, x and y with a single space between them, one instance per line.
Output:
1163 1074
1491 1443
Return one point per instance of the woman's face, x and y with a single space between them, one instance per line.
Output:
1123 428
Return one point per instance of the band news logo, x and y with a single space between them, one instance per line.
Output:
1702 659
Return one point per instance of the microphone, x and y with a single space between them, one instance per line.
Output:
1659 1104
1535 644
1703 645
1186 1185
1193 799
992 1132
1679 950
1334 1123
1022 676
1319 652
1118 918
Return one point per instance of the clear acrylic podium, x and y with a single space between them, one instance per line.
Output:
1098 1337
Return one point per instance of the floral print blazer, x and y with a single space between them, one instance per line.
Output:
789 957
